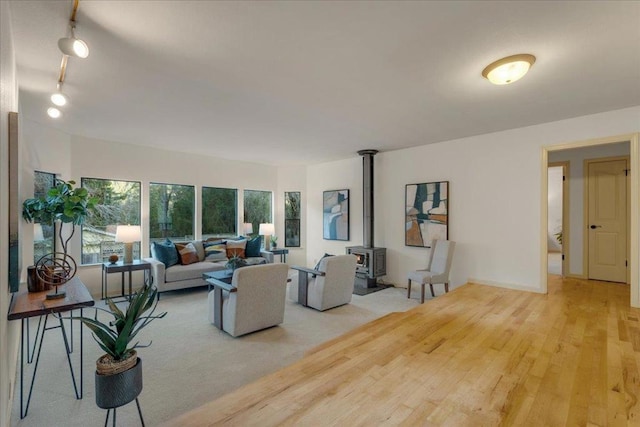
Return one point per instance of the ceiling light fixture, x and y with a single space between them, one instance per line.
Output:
70 46
508 70
53 112
59 98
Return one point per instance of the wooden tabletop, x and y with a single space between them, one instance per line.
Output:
30 304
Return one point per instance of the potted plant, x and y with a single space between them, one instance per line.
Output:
274 241
235 262
65 204
119 371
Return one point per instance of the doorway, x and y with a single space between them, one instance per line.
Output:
557 217
576 267
607 213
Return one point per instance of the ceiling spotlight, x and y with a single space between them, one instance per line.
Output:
53 112
508 70
73 47
59 99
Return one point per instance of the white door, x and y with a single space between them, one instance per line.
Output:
607 220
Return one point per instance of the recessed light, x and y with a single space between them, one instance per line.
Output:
508 70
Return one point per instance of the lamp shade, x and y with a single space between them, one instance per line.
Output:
266 229
73 47
38 235
247 227
128 233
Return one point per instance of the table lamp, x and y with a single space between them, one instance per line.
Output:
38 235
128 234
248 228
267 230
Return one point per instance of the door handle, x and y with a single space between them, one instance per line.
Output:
593 227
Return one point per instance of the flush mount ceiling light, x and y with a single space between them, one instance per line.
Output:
53 112
508 70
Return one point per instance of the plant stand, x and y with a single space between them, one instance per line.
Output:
113 391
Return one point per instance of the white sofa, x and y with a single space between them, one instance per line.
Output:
188 276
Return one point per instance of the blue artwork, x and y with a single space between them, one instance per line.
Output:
335 215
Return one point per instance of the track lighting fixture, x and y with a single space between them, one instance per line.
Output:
59 99
72 46
53 112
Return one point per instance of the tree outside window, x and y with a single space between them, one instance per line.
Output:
171 211
219 212
44 235
258 207
118 204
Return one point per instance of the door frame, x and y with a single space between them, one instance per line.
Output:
585 212
634 219
566 218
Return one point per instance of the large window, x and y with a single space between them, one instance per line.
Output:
219 212
44 235
257 207
171 211
292 219
118 203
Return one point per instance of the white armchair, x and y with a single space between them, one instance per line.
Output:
254 299
437 270
329 286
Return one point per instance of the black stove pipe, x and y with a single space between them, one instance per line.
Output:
367 196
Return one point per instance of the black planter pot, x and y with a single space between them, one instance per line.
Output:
117 390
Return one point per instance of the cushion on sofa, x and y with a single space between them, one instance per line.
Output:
253 247
255 260
165 252
199 244
215 251
191 271
236 248
188 253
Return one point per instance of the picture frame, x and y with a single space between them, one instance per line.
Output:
426 213
14 206
335 215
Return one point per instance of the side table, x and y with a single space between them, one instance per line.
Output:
122 267
282 252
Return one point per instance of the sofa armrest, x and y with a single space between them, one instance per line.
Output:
157 271
268 255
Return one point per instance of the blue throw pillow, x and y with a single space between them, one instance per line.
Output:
253 247
165 252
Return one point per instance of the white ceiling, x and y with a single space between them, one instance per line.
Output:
284 82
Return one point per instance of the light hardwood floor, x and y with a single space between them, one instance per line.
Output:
478 356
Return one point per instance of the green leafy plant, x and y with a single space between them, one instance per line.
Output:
115 336
62 203
559 236
274 241
235 262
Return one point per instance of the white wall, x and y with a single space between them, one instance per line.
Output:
576 158
93 158
338 175
495 190
8 102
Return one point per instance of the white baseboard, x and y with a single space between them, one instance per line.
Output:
505 285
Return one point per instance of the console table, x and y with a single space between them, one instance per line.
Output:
25 305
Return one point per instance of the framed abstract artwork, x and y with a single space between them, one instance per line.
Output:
335 215
426 213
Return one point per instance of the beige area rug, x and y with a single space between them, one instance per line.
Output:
190 362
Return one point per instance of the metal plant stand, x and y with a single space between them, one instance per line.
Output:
113 391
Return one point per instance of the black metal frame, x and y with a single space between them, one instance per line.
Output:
42 328
106 421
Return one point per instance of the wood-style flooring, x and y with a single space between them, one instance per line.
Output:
477 356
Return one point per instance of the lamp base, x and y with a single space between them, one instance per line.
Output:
128 253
